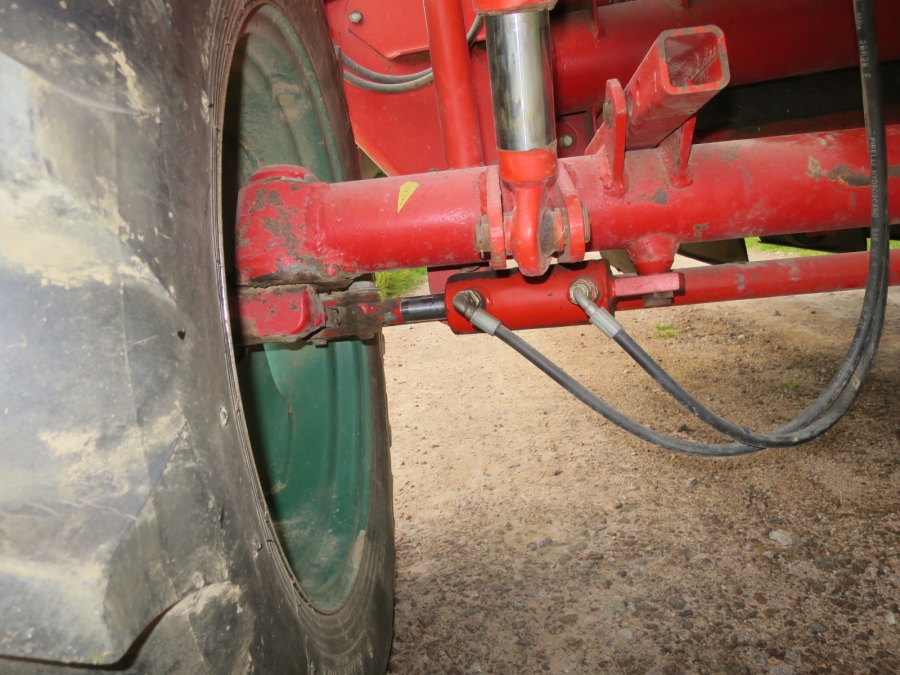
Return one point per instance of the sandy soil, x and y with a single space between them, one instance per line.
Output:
535 537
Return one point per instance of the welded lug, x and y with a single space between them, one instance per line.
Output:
608 144
650 287
276 314
676 153
576 224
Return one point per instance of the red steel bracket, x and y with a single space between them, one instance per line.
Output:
277 313
676 152
681 72
608 143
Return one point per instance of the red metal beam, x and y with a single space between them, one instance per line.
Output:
767 40
453 83
754 187
773 278
292 231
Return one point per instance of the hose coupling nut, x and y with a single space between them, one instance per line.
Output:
587 286
466 302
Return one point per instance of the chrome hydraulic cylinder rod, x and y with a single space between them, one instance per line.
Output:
518 46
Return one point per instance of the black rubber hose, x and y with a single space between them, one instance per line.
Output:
380 88
600 406
395 84
845 386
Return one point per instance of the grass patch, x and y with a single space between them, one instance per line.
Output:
894 244
398 283
755 244
665 330
789 384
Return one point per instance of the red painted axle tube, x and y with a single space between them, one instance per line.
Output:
767 40
294 231
755 187
522 303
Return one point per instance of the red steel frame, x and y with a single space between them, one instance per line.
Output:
642 186
767 39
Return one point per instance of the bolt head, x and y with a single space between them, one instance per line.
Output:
355 16
566 141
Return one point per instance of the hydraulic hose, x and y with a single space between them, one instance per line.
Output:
384 83
844 387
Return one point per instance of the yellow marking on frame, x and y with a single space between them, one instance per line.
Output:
406 191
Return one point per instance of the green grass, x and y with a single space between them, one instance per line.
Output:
665 330
755 244
789 384
894 244
400 282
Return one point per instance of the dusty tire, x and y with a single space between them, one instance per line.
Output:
134 531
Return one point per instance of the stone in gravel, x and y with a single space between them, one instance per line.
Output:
784 537
545 542
676 602
826 563
690 482
515 465
605 584
891 619
816 627
782 669
626 634
759 658
794 657
568 619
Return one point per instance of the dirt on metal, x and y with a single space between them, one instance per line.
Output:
534 537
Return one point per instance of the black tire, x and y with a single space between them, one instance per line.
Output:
134 535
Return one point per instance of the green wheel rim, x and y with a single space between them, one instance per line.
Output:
307 408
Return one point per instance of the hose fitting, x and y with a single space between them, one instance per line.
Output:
469 303
601 318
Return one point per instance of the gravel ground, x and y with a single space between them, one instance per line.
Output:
535 537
